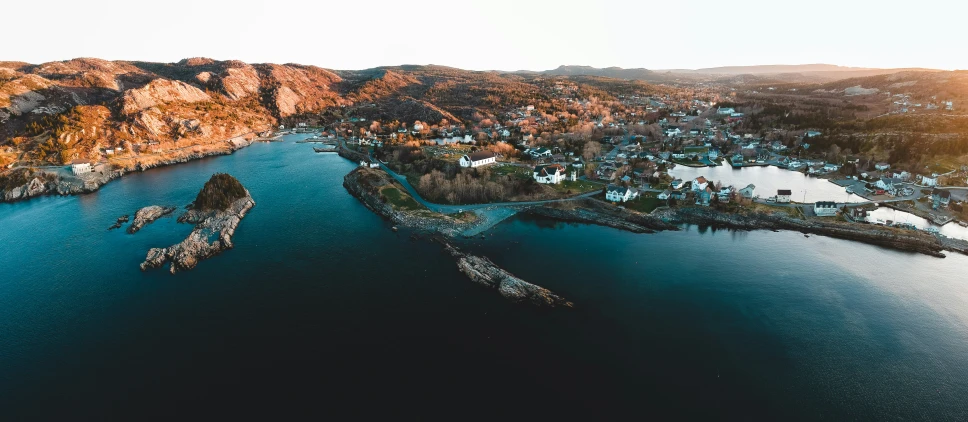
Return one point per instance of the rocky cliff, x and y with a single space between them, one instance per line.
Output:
148 215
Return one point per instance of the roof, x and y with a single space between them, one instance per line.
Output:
481 155
549 169
617 189
750 186
701 180
786 192
80 162
825 204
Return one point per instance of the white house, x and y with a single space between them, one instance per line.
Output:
882 166
929 181
79 167
551 173
478 159
673 131
616 193
664 195
888 183
699 184
747 192
825 209
726 111
783 196
417 127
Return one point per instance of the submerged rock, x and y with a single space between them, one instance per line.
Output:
483 271
214 228
117 224
146 216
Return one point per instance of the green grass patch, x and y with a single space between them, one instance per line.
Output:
695 149
399 200
644 204
576 187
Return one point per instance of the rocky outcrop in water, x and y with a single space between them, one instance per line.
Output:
483 271
147 215
212 234
120 221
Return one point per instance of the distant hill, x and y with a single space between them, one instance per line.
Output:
608 72
803 73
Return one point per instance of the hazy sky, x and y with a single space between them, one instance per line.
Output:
495 34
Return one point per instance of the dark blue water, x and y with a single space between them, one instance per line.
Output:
322 310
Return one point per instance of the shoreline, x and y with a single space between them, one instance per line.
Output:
43 182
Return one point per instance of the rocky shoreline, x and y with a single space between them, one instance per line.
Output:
148 215
484 272
42 182
218 224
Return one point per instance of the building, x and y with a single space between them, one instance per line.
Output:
888 184
831 167
79 167
881 166
727 111
747 192
825 209
812 133
700 184
673 131
665 194
478 159
549 174
940 198
929 181
783 196
615 193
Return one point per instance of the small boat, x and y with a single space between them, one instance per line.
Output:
963 224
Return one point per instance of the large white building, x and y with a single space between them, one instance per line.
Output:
79 167
549 174
825 209
615 193
478 159
783 196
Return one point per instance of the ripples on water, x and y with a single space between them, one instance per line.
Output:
321 309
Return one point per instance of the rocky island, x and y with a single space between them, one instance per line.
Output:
216 212
147 215
483 271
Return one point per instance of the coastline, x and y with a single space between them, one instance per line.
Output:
43 182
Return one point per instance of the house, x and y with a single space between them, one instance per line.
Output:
747 192
615 193
725 111
539 152
888 184
929 181
549 174
677 184
478 159
940 198
673 131
825 209
700 184
677 194
831 167
678 154
812 133
777 146
881 166
665 194
713 154
704 196
783 196
79 167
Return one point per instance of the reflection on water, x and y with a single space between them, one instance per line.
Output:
883 214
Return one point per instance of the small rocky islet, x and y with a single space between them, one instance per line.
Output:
216 213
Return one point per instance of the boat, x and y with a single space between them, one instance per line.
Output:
963 224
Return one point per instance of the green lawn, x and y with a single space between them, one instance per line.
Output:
400 201
694 149
644 204
577 187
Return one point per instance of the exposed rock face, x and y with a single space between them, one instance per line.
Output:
215 225
161 91
147 215
590 211
117 224
240 82
483 271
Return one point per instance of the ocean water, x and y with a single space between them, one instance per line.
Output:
322 311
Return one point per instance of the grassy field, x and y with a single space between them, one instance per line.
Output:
511 170
399 200
695 149
644 204
577 187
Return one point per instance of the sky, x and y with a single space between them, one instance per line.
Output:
496 34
